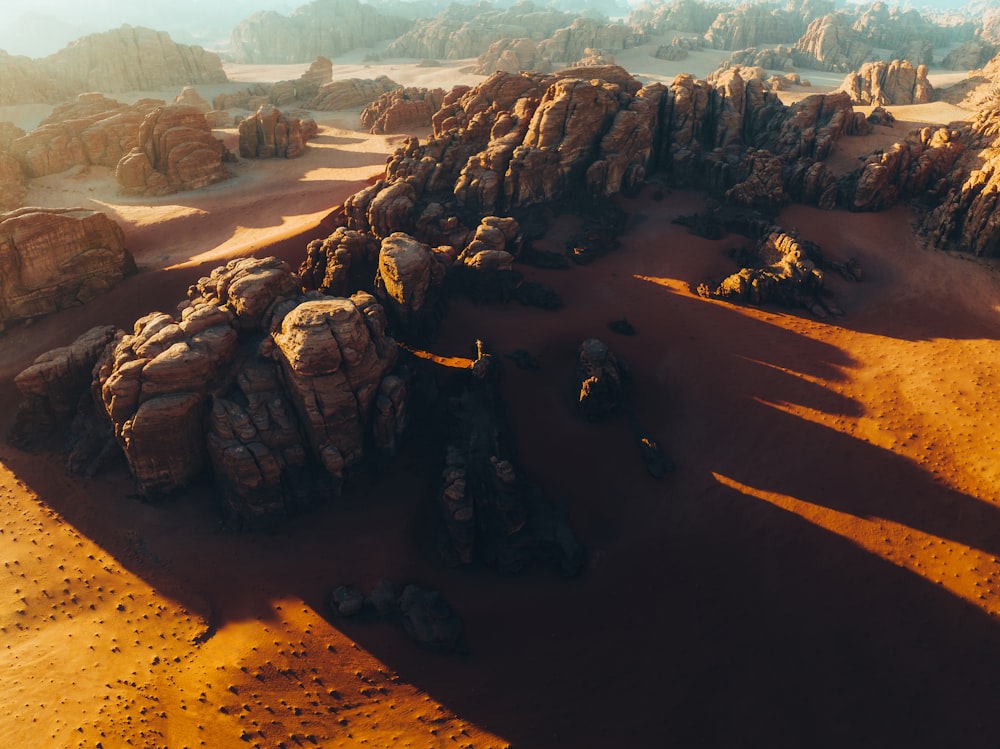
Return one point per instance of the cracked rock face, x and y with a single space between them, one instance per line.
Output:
279 393
51 259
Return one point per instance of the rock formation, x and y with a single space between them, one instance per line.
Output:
570 44
881 83
968 216
90 130
175 151
189 97
916 166
12 177
829 43
969 55
279 393
50 388
322 27
401 110
351 92
781 269
269 134
51 259
685 16
130 59
303 89
511 56
754 26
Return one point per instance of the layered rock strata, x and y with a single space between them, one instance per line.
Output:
270 134
402 109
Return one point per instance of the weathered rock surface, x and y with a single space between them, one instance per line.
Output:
281 94
50 388
189 97
754 26
512 56
781 269
12 182
407 282
51 259
571 43
351 92
320 28
916 166
881 83
175 151
278 392
132 59
270 134
402 109
687 16
969 55
91 130
968 216
829 43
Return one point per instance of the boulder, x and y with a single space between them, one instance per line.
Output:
175 151
270 134
51 259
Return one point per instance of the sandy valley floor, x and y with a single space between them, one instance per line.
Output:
821 569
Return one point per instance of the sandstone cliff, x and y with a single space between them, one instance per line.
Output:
125 59
303 89
684 16
51 259
322 27
829 43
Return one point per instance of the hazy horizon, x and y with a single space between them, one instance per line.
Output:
50 25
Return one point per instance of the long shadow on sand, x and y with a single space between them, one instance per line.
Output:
707 617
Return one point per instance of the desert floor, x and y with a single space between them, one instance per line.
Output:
820 570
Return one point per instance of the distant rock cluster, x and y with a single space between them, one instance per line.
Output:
125 59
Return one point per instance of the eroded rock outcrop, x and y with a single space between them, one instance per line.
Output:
881 83
687 16
601 379
512 56
51 259
351 92
281 94
50 388
175 151
754 26
90 130
402 109
829 43
781 269
968 216
269 134
279 393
